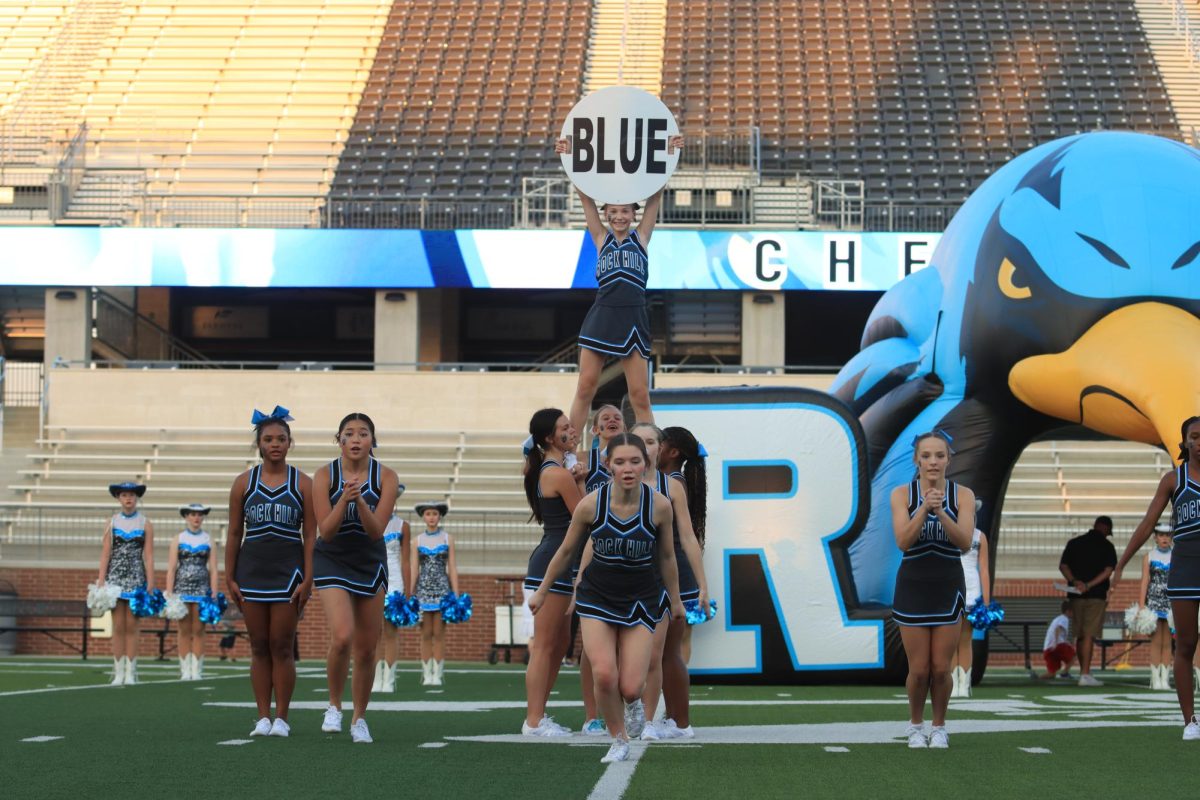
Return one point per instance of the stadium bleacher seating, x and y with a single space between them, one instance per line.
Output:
919 100
464 98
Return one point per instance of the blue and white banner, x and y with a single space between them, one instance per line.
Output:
481 259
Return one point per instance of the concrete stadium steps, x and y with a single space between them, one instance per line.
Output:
1164 22
60 497
626 46
1056 491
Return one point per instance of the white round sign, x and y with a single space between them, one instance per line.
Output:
618 141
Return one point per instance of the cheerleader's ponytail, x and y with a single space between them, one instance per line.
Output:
541 428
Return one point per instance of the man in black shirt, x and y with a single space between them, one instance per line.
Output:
1087 562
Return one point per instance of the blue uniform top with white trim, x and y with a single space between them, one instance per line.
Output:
370 492
597 474
933 539
277 511
624 543
621 271
1185 504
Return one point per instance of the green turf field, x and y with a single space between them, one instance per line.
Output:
164 738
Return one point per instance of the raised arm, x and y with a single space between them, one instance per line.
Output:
330 516
961 530
905 528
654 203
1162 496
375 522
591 214
233 538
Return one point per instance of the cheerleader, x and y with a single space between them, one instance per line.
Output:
126 560
552 494
977 581
667 656
933 518
617 325
396 539
1155 568
269 564
192 574
437 575
1181 488
607 422
350 565
620 594
680 457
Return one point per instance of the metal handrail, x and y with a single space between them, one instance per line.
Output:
110 311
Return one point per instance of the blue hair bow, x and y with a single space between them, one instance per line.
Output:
280 413
938 432
700 451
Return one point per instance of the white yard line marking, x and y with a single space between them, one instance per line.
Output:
616 777
1033 749
109 686
40 739
205 688
783 694
34 672
236 742
433 745
837 749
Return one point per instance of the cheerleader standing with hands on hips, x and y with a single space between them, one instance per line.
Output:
127 560
396 539
192 574
268 564
933 518
621 594
1181 488
350 565
617 325
437 575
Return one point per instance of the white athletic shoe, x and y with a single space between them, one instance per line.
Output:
635 719
916 737
1191 731
939 739
118 678
546 727
333 720
1088 680
359 733
651 733
594 727
262 727
618 751
280 728
667 729
683 733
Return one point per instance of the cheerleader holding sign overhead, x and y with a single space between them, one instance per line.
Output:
617 325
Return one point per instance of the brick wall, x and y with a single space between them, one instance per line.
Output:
469 641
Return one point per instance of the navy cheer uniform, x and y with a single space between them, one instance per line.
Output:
352 560
597 474
1183 581
689 587
621 584
617 324
270 562
555 521
929 585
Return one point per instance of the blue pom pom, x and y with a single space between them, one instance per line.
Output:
401 611
461 612
696 616
146 604
212 609
985 617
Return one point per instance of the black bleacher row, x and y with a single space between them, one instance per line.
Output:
921 100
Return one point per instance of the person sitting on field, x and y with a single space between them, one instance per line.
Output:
1057 650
